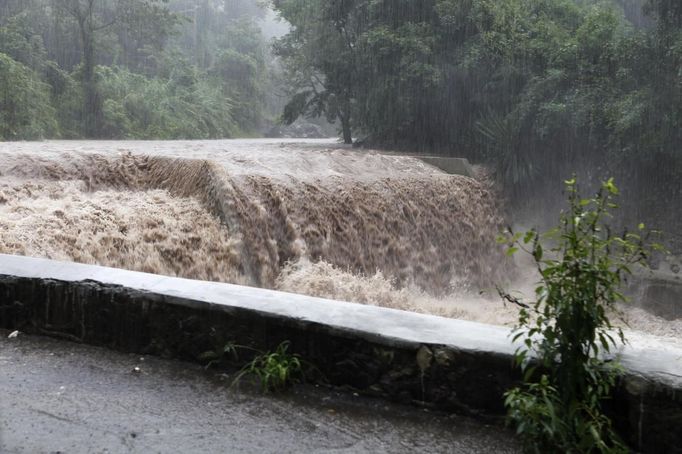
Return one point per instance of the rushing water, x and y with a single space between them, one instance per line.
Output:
307 217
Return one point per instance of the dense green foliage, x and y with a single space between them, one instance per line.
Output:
180 106
25 110
566 333
539 88
131 69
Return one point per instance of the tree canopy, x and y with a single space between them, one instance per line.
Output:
536 88
134 68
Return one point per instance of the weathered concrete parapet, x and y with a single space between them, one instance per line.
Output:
658 293
449 364
453 166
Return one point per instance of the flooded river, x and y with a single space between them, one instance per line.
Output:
306 217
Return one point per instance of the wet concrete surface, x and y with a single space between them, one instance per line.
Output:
61 397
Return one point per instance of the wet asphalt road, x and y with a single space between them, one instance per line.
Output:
59 397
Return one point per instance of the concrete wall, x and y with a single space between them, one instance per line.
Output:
658 293
453 166
447 364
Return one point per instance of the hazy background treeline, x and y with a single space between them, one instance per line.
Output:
136 69
538 88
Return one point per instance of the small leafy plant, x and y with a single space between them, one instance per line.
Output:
274 371
566 334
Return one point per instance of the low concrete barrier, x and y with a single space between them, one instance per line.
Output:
453 166
449 364
658 293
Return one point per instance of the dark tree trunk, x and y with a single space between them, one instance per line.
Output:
92 110
347 131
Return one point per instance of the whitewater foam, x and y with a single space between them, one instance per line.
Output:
307 218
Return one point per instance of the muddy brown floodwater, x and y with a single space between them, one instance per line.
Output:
308 217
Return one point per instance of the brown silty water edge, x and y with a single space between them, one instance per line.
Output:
305 217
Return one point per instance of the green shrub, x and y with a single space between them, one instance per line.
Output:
567 336
184 106
25 108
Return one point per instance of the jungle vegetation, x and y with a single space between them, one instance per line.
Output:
131 69
537 88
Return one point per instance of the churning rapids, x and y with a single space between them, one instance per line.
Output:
299 216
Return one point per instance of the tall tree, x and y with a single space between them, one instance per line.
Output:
95 16
321 58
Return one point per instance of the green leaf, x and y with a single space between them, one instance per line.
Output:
611 187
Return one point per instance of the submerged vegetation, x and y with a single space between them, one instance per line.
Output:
566 335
